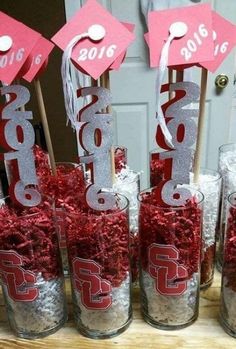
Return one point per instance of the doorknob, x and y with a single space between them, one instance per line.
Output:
221 81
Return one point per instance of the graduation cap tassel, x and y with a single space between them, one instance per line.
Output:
95 32
68 89
177 30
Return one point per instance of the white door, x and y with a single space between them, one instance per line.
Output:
134 98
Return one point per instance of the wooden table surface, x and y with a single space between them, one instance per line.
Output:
204 333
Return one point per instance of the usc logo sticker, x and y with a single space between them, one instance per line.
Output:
166 271
95 292
19 282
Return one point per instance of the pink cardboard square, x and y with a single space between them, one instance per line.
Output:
225 40
23 38
94 57
194 47
38 58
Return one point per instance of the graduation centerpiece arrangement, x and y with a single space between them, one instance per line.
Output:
181 208
30 267
89 220
98 223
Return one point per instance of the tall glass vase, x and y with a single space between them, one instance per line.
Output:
170 251
228 286
98 250
31 270
229 186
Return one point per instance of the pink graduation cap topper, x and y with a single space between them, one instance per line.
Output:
16 42
99 38
224 36
119 60
38 58
189 32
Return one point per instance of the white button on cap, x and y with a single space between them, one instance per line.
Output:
178 29
5 43
96 32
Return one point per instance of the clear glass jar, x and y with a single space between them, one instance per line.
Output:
209 184
226 155
228 285
127 183
170 252
229 186
98 251
31 271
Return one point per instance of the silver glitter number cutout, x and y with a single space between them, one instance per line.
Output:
183 130
18 138
98 154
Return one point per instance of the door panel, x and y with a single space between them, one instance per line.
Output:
133 118
133 89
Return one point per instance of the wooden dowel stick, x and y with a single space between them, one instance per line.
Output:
107 85
22 107
44 120
170 81
109 111
179 75
105 82
199 145
94 83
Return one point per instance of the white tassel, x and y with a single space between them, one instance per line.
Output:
96 33
177 30
68 89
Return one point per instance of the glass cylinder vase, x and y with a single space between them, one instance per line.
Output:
229 186
31 271
228 285
170 251
98 250
226 156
